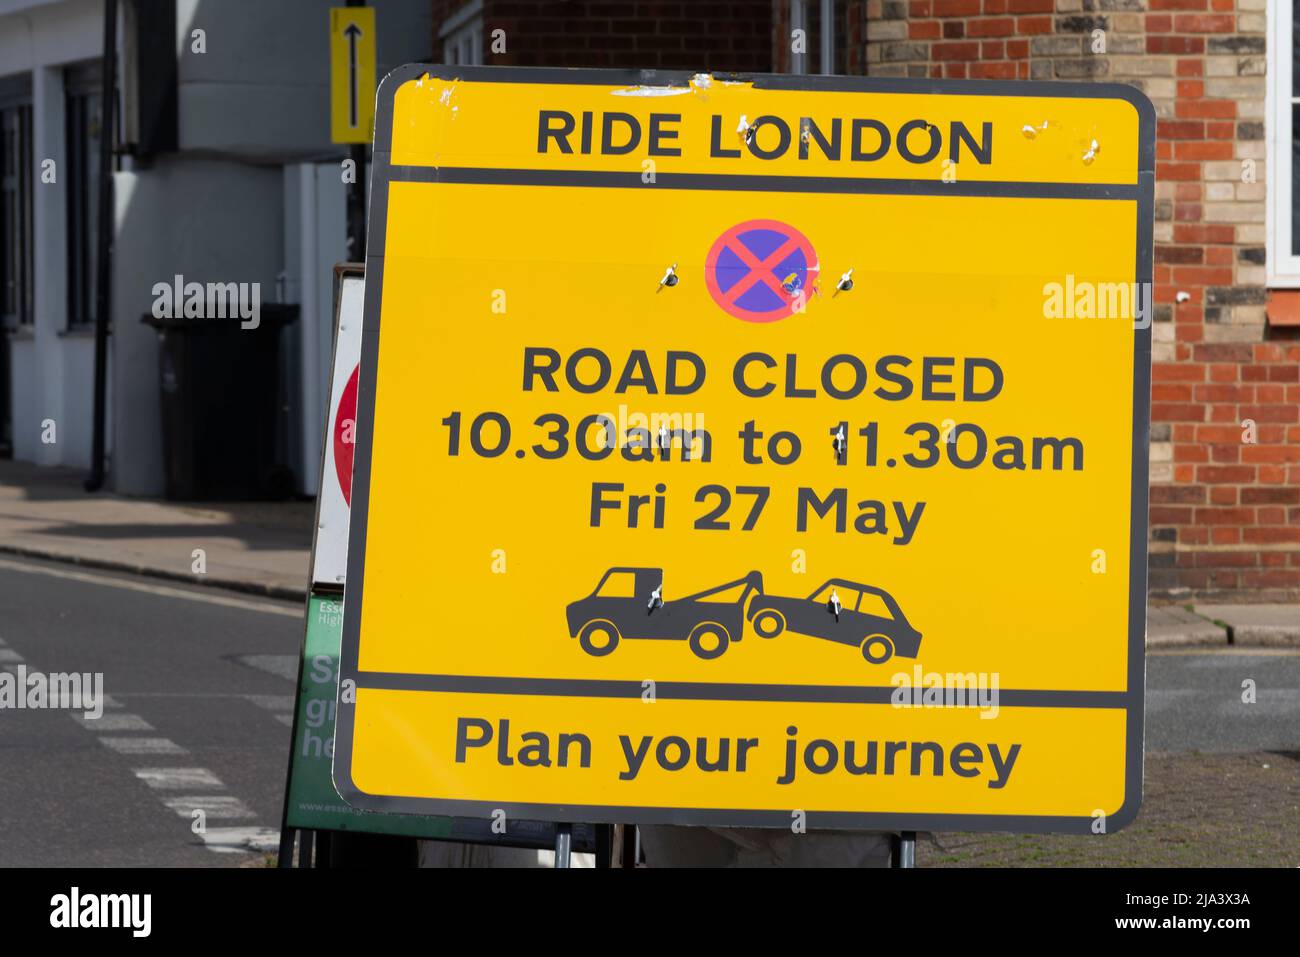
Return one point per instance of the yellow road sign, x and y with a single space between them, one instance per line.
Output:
352 74
766 451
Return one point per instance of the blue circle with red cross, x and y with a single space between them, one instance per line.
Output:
761 270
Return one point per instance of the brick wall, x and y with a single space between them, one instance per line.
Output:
1225 514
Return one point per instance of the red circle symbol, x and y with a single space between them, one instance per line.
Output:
761 270
345 436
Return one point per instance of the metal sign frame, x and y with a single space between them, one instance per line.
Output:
384 173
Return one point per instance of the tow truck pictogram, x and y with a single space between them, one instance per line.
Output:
624 604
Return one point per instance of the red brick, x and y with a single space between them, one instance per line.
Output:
956 50
1169 372
1206 23
1163 44
1177 412
1272 454
1225 516
1271 413
1178 171
993 71
1185 494
1202 151
1225 393
1204 233
991 27
1270 496
1180 129
1270 536
1205 109
1171 392
956 8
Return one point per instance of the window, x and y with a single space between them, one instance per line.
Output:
873 604
16 252
462 35
84 122
848 596
1283 133
618 585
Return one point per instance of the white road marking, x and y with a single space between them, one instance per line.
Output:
282 666
288 610
231 840
8 654
114 722
178 779
285 719
217 806
143 745
272 702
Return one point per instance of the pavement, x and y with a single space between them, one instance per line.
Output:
265 547
257 547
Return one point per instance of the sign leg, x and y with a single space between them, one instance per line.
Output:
631 845
904 850
563 845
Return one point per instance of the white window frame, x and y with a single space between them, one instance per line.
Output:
462 36
1283 268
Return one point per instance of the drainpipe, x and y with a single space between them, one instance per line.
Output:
828 37
104 242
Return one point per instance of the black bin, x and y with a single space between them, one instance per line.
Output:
223 434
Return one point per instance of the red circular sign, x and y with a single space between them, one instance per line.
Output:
761 270
345 436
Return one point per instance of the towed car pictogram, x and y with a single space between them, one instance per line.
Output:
844 611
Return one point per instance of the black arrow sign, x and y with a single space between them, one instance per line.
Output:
353 33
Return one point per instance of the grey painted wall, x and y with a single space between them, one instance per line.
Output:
208 220
262 88
255 103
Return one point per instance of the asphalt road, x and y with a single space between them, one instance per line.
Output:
186 671
201 680
1195 700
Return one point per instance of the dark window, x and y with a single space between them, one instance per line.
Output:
16 171
84 129
1295 129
